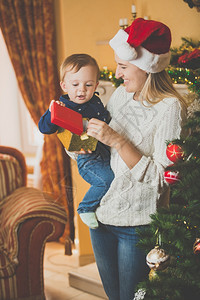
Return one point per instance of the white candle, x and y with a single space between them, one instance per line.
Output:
121 22
133 9
125 21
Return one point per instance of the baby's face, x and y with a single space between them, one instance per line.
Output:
80 86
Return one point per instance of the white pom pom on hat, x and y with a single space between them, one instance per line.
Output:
145 43
123 49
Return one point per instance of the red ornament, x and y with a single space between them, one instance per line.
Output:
171 177
196 246
174 152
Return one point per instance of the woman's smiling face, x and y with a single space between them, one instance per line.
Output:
134 78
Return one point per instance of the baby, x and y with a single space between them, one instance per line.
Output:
79 75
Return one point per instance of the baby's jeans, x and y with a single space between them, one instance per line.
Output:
95 169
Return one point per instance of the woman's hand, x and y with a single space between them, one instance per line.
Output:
103 133
82 151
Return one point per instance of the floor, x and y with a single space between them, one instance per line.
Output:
56 268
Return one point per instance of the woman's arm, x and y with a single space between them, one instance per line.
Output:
105 134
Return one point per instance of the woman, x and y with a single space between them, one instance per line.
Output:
146 113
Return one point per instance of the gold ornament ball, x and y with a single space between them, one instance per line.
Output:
153 275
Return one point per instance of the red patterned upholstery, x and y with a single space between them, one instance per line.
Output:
28 219
10 174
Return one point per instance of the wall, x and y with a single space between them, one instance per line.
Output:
86 25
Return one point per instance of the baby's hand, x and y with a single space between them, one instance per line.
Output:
59 102
82 151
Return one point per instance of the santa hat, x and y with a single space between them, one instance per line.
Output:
145 43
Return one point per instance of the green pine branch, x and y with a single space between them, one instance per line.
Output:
178 226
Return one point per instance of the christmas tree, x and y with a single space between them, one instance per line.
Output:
175 261
172 241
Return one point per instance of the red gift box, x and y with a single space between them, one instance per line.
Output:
66 118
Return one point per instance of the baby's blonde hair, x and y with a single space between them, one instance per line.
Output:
76 62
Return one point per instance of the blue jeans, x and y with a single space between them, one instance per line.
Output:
95 169
120 262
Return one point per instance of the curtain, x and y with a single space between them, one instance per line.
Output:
28 28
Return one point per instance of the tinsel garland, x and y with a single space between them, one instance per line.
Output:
178 76
108 75
186 76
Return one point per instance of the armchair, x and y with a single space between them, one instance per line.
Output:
28 219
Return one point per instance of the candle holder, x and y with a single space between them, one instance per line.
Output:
133 12
123 26
123 23
134 15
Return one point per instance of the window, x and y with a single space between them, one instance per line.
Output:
17 128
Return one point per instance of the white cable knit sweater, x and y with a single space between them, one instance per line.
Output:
135 194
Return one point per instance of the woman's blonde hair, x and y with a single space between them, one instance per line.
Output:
159 86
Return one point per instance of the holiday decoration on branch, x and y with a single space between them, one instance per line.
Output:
187 55
171 177
174 152
157 259
196 246
191 59
153 275
139 295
